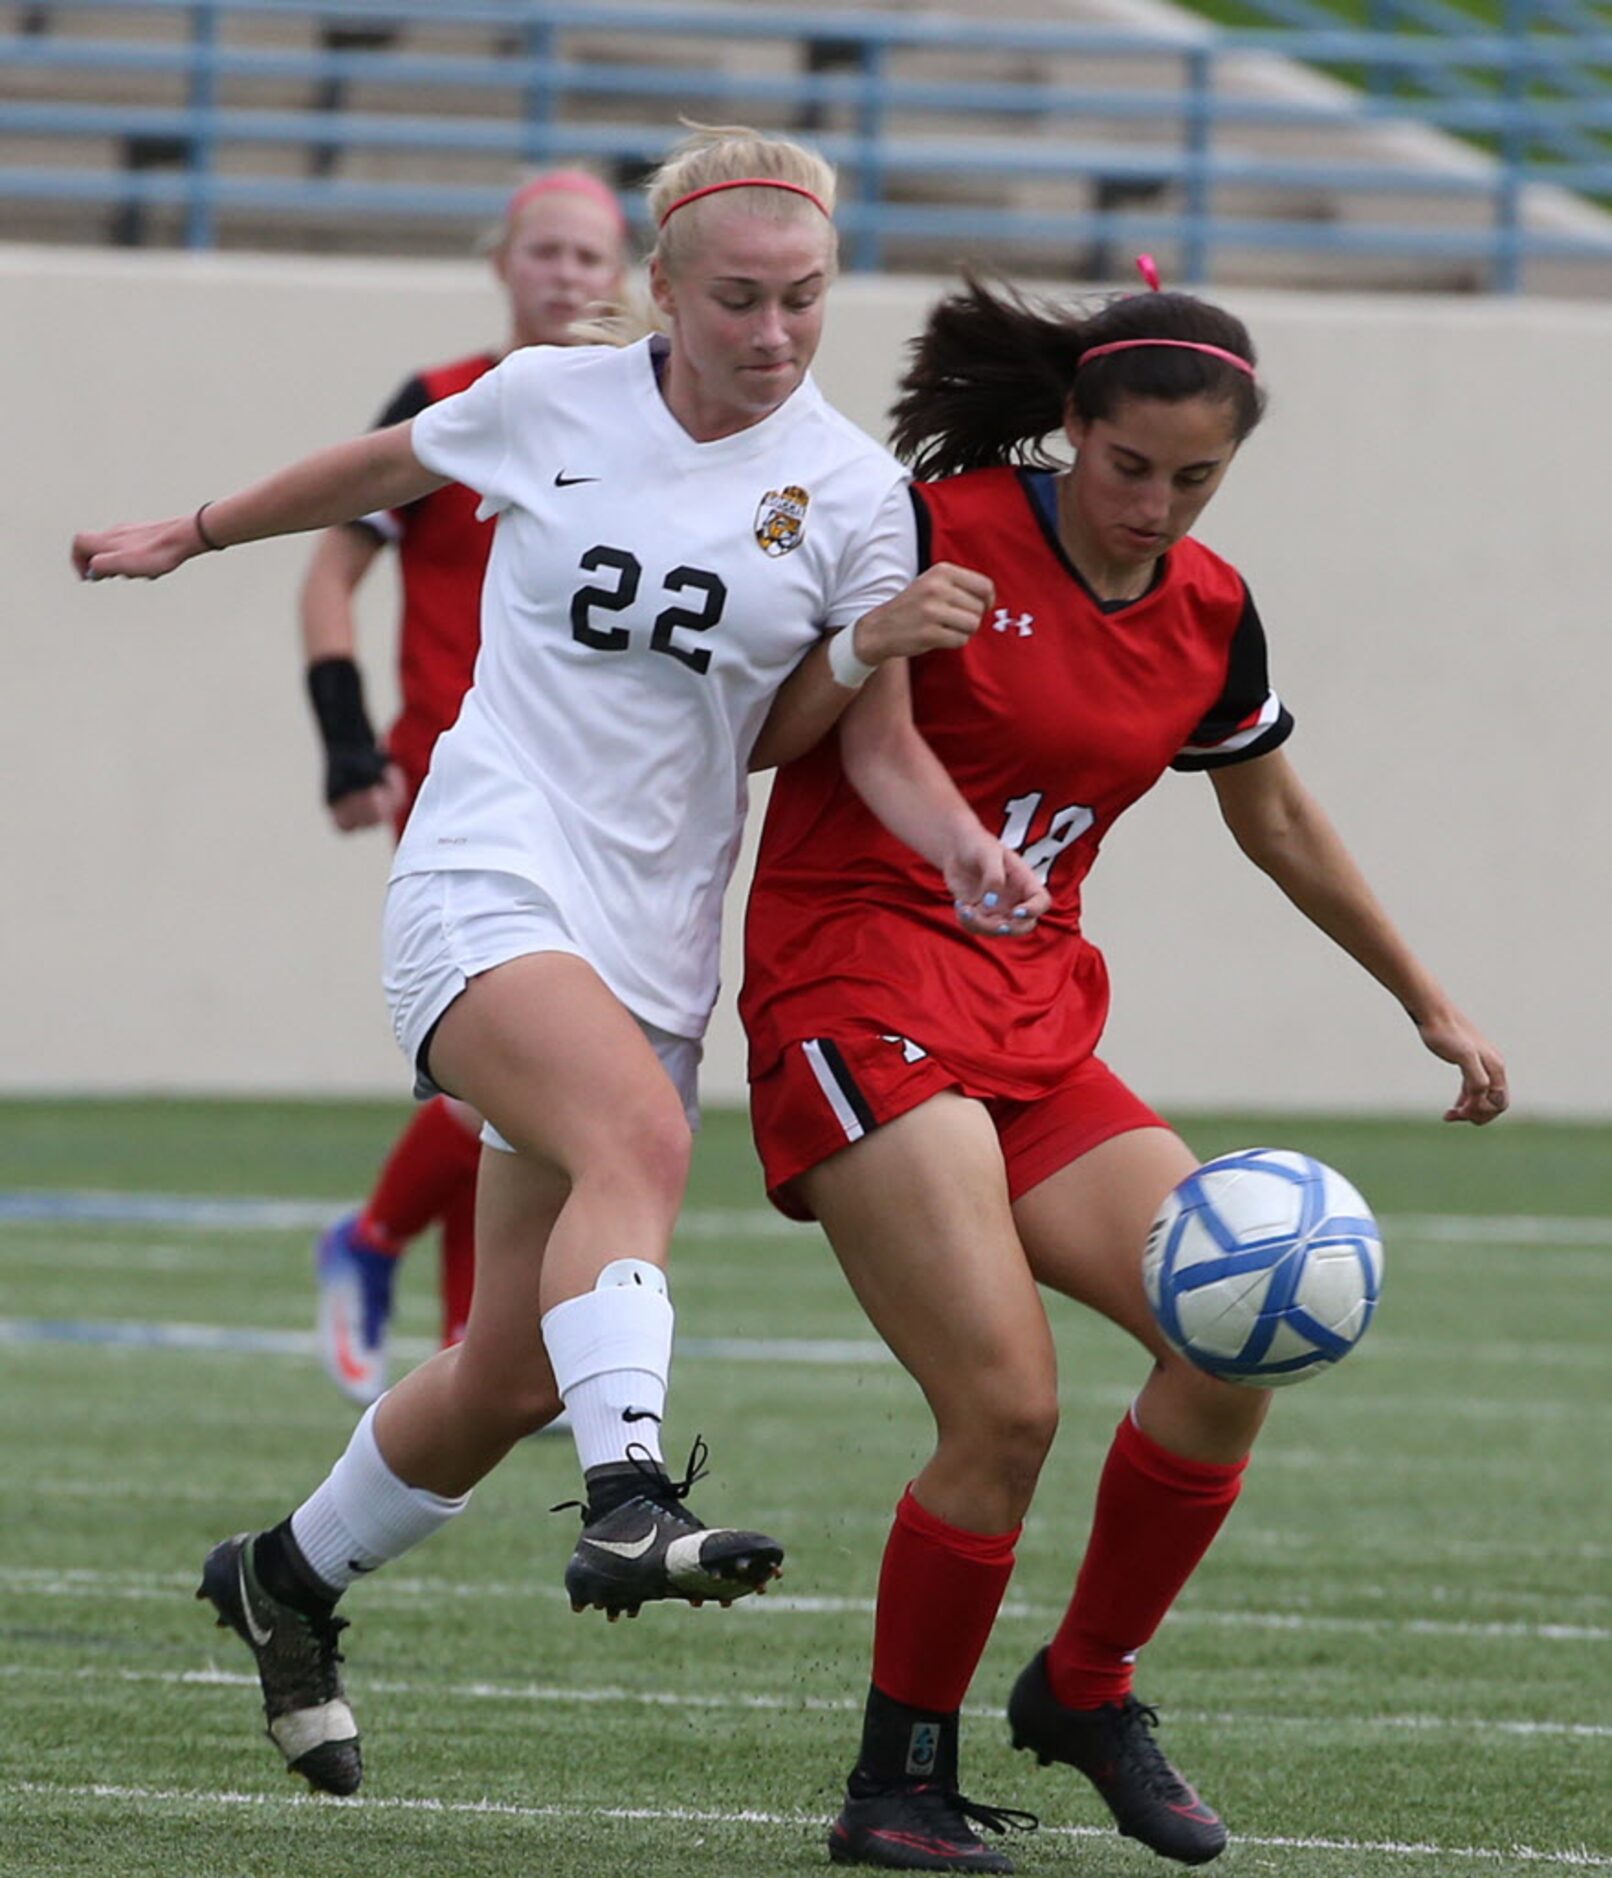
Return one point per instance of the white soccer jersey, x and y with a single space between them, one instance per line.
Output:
646 597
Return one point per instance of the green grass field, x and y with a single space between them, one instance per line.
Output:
1397 1661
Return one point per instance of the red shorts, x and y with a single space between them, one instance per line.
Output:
824 1093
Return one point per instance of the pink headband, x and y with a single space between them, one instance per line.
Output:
746 182
1148 268
1181 345
571 183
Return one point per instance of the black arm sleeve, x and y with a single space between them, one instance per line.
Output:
354 760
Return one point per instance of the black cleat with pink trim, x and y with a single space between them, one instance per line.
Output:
902 1808
1113 1747
918 1826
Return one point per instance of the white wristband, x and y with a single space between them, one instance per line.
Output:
847 668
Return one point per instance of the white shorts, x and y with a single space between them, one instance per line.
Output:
441 930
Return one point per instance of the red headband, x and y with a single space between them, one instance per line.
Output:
1148 268
746 182
1181 345
570 183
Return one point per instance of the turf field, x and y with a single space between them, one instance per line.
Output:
1397 1661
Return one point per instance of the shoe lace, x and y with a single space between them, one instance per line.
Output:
999 1819
1136 1722
658 1484
694 1469
323 1632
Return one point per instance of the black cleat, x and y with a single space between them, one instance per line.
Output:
651 1547
303 1703
919 1826
1113 1747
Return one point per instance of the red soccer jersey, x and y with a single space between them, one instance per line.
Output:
442 554
1058 714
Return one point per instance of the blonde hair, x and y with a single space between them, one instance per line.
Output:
729 153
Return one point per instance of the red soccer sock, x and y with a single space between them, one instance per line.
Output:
457 1276
1157 1514
433 1159
939 1591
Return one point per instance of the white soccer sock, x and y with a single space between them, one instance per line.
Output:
611 1350
363 1515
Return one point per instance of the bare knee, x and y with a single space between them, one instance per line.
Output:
1003 1436
647 1154
1196 1415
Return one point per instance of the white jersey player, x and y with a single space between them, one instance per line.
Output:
647 595
682 525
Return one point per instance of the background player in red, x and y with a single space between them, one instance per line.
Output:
561 252
935 1100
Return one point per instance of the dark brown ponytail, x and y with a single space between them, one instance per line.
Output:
993 373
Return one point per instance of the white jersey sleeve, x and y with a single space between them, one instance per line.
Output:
467 438
878 564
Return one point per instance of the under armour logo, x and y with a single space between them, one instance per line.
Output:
909 1049
1023 624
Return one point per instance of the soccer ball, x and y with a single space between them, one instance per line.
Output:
1264 1267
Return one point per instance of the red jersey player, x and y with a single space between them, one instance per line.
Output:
562 250
932 1096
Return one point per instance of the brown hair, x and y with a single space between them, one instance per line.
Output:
993 373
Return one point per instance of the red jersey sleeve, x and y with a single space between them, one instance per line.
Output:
1247 719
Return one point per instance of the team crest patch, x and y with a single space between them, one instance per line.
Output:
781 519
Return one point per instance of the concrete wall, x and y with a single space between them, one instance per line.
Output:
1421 521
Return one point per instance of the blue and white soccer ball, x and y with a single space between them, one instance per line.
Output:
1264 1267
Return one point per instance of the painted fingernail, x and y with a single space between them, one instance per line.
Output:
1021 912
991 899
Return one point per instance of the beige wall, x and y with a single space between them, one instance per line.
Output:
1421 521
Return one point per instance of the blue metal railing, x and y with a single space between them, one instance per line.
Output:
1539 95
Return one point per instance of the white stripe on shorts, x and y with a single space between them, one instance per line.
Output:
844 1114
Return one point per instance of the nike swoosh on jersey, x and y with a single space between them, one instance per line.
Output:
262 1638
625 1548
562 481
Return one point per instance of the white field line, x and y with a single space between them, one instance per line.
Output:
224 1340
60 1250
381 1592
555 1694
228 1212
1388 1550
231 1213
1580 1859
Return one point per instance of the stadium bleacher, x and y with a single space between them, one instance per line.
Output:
1055 143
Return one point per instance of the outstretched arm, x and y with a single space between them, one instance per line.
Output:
939 610
905 784
376 471
362 789
1280 826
